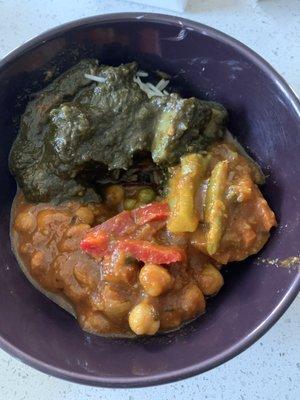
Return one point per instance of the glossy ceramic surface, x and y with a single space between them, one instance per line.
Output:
264 115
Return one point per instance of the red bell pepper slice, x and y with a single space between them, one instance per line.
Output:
95 242
120 224
150 212
149 252
97 239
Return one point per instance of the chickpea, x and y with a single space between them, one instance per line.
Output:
77 230
98 209
114 195
37 260
155 279
25 222
192 301
143 319
26 248
210 280
129 204
126 274
84 276
47 218
38 238
85 215
115 305
146 195
68 245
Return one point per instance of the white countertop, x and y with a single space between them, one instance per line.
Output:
268 370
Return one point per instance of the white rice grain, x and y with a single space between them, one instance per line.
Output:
95 78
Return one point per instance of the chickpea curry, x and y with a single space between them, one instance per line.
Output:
132 242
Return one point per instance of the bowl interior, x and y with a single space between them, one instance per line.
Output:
264 116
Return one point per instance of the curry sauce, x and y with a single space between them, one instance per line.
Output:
118 264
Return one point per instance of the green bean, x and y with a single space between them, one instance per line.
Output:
215 210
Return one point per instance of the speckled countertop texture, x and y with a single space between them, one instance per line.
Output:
270 369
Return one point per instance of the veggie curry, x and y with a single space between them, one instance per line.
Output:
130 204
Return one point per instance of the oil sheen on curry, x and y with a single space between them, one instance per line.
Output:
130 200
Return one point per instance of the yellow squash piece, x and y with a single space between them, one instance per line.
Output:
182 189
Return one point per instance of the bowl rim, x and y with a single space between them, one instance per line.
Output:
290 295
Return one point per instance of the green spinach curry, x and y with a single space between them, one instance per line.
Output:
130 200
76 124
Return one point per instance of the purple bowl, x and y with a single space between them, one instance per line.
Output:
264 115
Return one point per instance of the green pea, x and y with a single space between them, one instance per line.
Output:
146 195
129 204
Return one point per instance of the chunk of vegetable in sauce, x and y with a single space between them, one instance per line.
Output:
98 238
215 209
193 301
183 186
210 280
149 252
155 279
143 319
151 212
95 243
